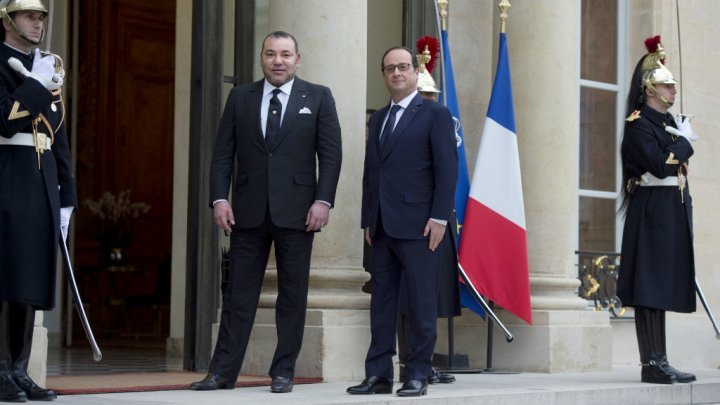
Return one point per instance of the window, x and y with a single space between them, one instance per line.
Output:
602 88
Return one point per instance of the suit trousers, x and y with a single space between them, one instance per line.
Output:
412 266
249 252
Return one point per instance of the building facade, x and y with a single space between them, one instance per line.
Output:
571 61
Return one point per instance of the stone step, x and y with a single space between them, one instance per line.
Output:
620 386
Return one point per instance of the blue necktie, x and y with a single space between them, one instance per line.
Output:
389 127
272 126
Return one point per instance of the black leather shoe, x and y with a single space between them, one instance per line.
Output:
33 391
213 382
9 390
372 385
440 378
412 388
281 385
682 377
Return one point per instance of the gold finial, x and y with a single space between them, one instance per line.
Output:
503 6
443 4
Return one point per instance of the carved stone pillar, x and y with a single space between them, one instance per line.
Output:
565 335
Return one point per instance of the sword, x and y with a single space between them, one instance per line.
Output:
97 355
476 294
707 308
48 26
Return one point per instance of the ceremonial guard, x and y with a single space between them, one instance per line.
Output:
658 266
37 190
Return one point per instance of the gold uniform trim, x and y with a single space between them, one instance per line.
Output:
632 117
15 112
41 119
671 160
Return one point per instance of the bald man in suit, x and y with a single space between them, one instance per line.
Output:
283 134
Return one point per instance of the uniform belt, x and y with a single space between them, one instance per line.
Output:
27 139
648 179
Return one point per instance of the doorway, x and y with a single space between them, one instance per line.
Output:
124 152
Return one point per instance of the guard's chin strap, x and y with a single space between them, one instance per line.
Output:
659 96
30 40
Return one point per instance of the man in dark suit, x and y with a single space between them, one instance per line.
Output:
278 130
408 197
447 282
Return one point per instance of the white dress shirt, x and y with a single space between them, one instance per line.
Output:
283 96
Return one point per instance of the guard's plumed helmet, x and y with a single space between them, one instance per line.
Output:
429 50
653 68
654 71
8 7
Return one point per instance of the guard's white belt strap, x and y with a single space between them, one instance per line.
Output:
648 179
26 139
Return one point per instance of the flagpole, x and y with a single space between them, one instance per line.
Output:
442 5
441 18
503 6
476 294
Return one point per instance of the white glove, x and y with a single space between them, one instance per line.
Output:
684 128
43 70
65 214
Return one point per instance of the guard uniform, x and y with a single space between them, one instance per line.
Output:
35 182
658 264
657 268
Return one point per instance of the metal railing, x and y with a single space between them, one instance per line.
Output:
598 272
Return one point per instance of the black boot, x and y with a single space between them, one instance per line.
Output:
647 326
653 371
22 318
681 376
9 391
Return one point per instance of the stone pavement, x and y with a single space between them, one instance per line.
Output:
621 386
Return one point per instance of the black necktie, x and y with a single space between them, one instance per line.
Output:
389 127
272 126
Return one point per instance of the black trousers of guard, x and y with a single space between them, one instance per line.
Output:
16 332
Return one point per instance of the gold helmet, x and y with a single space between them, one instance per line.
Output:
653 70
426 61
8 7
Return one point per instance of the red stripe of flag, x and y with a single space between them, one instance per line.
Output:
493 251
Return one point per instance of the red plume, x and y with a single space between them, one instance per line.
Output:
434 48
651 43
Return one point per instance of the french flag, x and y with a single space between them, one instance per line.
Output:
493 247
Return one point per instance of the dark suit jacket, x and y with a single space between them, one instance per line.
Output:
285 179
413 178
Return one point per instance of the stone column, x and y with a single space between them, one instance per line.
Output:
37 366
332 40
543 39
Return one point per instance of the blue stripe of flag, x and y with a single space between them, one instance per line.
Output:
501 102
462 188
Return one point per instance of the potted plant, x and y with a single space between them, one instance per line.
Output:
116 217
